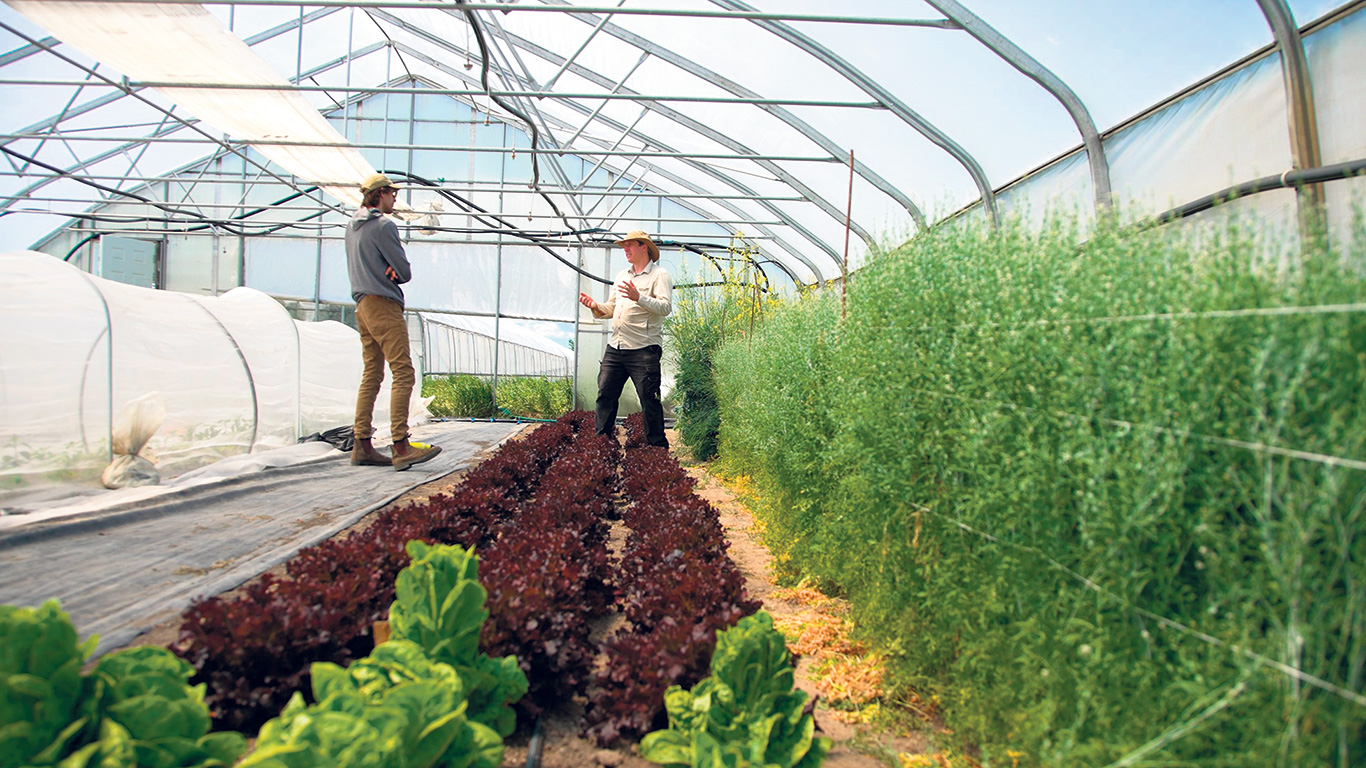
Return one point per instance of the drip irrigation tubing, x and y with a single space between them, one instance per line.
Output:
231 225
210 222
533 752
170 209
470 206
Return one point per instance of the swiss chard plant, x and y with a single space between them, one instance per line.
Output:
134 709
40 684
745 714
393 709
146 711
440 608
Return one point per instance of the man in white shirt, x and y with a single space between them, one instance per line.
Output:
642 296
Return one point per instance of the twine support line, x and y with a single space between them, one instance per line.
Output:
1180 730
1290 671
1318 309
1291 453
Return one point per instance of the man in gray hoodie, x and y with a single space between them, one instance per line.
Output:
377 266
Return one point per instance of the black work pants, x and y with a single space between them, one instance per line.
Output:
641 366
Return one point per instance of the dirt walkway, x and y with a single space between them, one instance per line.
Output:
753 560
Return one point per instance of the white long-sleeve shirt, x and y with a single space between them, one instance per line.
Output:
638 324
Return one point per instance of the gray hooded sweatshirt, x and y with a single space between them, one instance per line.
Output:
372 246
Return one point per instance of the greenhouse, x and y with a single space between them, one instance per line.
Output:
1012 358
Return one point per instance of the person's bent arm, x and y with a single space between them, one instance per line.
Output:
391 250
599 309
662 303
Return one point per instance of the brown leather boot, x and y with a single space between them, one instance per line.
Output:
363 454
407 454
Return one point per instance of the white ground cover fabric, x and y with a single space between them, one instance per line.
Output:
120 570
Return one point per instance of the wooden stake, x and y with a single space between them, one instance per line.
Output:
848 216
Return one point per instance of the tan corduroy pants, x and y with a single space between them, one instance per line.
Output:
383 337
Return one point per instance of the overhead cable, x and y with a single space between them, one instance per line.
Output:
488 90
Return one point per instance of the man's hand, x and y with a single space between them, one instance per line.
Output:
629 290
587 301
391 274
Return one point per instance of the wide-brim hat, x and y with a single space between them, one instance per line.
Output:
375 181
637 234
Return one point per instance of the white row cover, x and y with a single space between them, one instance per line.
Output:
236 372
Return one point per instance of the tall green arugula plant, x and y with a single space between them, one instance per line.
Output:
462 396
745 713
703 317
538 397
1091 489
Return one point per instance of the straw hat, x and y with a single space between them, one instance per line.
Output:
637 234
375 181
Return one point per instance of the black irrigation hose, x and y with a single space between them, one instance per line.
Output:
467 205
698 250
470 207
178 215
267 228
110 190
531 126
227 225
1298 178
484 81
213 222
77 246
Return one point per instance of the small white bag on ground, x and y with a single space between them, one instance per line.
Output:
140 419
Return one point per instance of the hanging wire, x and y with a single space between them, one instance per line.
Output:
506 227
174 210
535 134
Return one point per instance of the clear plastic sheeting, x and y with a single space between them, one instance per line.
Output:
185 44
457 344
1229 130
236 373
